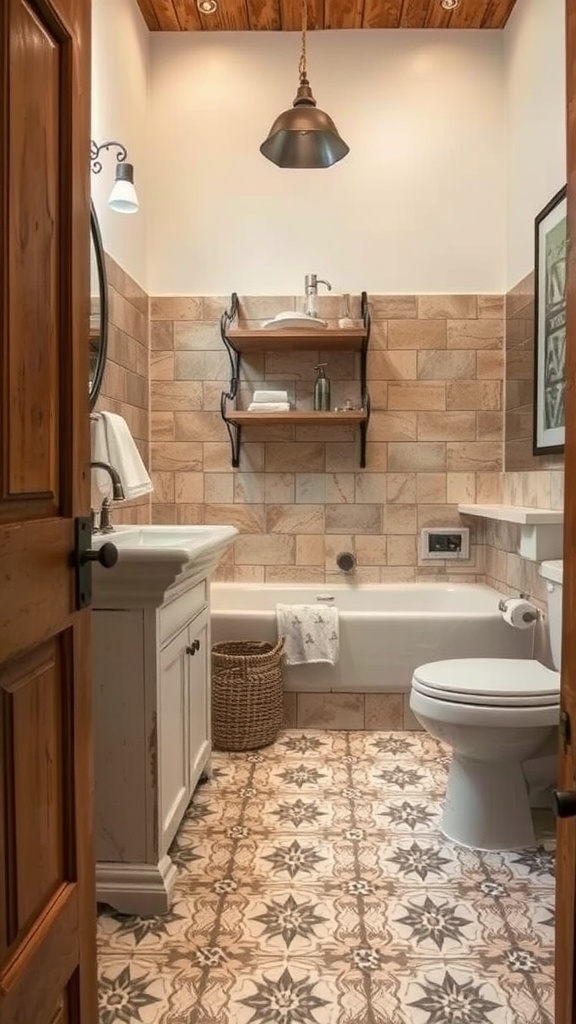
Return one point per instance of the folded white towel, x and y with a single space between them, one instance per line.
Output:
311 633
113 443
270 396
269 407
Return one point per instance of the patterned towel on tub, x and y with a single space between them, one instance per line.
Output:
311 633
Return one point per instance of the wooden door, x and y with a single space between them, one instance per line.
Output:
566 857
47 904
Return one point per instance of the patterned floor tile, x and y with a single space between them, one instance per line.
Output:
315 887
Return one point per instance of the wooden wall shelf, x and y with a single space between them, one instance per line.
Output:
240 340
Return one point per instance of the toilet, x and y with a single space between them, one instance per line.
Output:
496 714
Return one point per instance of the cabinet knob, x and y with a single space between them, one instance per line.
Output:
106 555
193 647
564 803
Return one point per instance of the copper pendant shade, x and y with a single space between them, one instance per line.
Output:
304 136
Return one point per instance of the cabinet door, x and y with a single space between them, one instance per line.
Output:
173 750
199 715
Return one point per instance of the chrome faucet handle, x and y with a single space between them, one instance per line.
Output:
105 521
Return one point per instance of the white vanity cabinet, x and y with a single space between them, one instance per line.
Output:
151 692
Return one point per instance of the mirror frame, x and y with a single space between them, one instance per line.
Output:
96 383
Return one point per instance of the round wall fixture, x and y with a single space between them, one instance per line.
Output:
207 6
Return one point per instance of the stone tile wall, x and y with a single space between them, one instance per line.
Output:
435 372
126 383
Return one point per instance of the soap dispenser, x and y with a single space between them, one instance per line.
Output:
321 390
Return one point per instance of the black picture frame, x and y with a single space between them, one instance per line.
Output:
550 258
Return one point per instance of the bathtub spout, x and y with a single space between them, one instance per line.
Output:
346 562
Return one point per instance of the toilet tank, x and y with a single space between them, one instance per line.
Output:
553 573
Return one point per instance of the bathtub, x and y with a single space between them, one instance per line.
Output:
386 631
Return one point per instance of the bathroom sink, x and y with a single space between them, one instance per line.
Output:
291 321
153 559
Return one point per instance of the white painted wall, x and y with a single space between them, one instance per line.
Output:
535 67
417 206
120 100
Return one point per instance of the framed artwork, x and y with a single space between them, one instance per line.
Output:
550 326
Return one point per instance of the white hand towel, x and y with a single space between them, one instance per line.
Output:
269 407
270 396
311 633
113 443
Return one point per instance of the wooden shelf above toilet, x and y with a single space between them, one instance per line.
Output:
540 528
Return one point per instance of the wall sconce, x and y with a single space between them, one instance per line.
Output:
123 196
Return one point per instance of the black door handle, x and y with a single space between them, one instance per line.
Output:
106 555
564 803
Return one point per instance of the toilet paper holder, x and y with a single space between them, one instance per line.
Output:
529 616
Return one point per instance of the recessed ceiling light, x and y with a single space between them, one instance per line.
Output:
207 6
449 5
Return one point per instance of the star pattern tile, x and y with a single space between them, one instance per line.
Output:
315 887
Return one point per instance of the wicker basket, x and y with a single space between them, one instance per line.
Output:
247 694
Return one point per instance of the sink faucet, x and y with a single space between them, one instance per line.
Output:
117 494
311 283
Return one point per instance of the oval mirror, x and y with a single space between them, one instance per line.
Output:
98 337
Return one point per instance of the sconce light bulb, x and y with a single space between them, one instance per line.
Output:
123 198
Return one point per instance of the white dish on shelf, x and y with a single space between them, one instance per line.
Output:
292 321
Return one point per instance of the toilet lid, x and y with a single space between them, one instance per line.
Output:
492 682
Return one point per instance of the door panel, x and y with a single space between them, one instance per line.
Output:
173 758
47 909
566 850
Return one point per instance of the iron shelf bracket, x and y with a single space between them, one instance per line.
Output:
365 397
234 429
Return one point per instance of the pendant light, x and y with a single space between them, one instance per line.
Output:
303 135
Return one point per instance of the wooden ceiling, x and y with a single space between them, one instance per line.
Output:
285 15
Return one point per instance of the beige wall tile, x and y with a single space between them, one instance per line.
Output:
161 335
334 544
310 550
189 487
311 488
289 458
384 711
345 458
489 488
174 455
295 519
393 307
219 488
161 366
212 394
330 710
171 396
249 574
401 487
201 365
414 334
370 488
461 488
371 550
190 513
490 365
217 458
198 335
478 334
248 519
446 426
279 488
163 484
161 426
293 574
401 550
198 426
397 574
544 490
263 307
557 490
431 488
490 426
420 457
392 365
446 365
481 456
249 488
341 488
440 515
416 395
474 394
379 334
378 394
353 519
254 549
449 307
491 307
376 456
163 514
173 307
400 519
393 426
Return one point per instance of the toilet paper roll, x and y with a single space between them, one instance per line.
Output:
519 614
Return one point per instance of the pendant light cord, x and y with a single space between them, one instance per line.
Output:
302 63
